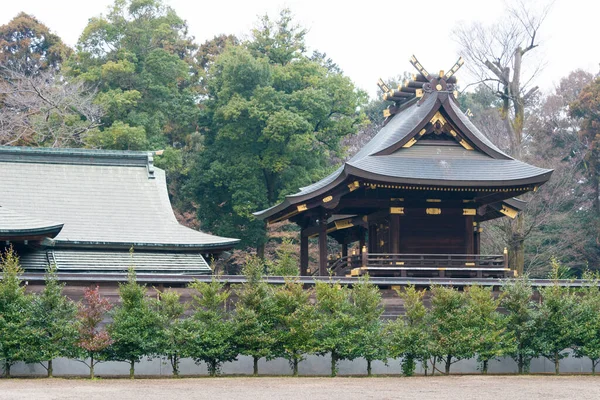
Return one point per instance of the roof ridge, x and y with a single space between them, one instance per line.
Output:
76 156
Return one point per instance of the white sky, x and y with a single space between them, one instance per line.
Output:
369 40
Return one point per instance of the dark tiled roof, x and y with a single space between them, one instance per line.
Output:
14 223
384 158
472 169
107 199
81 261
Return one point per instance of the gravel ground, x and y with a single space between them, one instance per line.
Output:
233 388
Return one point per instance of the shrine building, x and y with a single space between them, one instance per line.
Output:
414 197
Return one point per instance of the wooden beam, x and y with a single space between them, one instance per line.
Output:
303 255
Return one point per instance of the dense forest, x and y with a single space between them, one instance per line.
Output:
243 122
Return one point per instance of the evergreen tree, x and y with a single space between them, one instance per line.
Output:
142 59
522 318
54 318
295 323
173 335
255 314
587 326
210 333
409 335
487 326
280 115
17 334
368 331
557 315
136 328
452 340
27 46
336 323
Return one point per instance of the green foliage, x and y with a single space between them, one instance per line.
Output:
366 310
451 339
295 323
522 319
119 136
409 336
173 335
54 319
210 333
141 58
336 322
286 262
587 325
557 312
487 326
280 115
136 328
18 337
255 314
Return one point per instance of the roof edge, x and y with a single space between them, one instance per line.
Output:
75 156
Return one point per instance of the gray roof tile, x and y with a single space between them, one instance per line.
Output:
100 199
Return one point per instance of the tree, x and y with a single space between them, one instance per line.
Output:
280 115
45 110
17 335
93 339
451 339
367 310
54 319
295 323
136 326
558 218
487 326
286 261
28 47
587 326
141 58
557 315
522 318
410 335
255 314
211 335
173 335
336 323
585 107
497 55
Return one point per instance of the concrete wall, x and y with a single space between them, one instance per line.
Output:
313 365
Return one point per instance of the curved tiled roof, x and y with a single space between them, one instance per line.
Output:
15 224
429 162
108 199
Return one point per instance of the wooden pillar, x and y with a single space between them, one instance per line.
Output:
477 238
344 249
394 233
361 241
303 254
469 238
322 244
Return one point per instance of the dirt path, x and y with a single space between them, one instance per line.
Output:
456 387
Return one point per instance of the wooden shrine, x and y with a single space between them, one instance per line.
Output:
414 197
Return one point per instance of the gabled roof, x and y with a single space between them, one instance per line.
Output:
398 155
105 199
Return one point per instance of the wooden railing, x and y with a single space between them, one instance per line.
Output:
437 260
379 264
